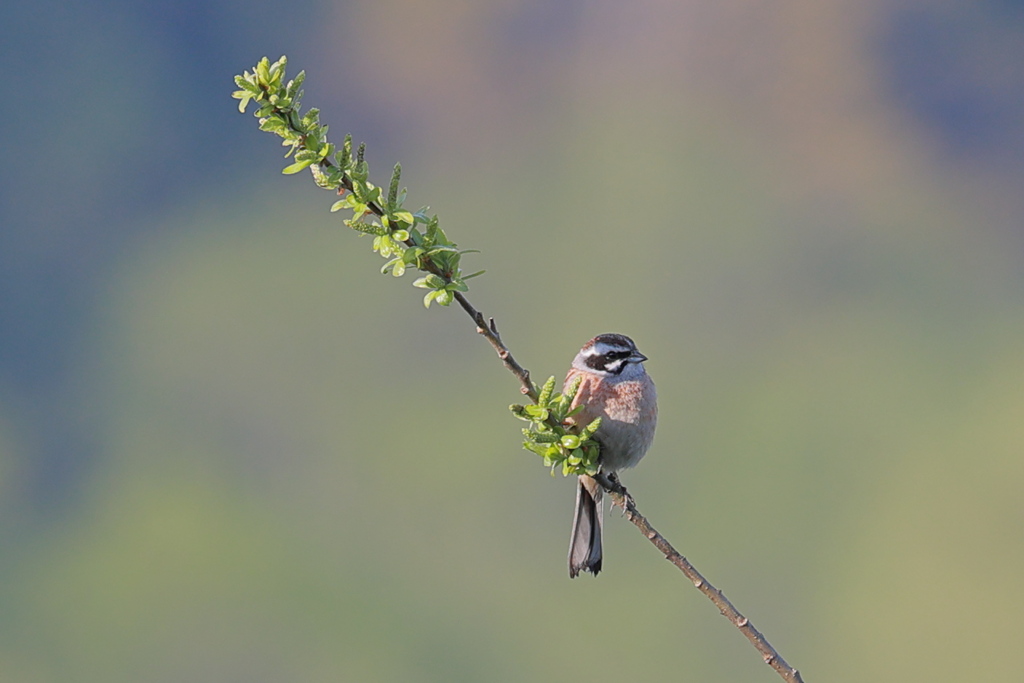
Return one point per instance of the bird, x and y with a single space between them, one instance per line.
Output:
615 386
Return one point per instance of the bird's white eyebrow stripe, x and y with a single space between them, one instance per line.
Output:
601 348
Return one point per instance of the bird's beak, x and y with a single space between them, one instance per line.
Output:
637 357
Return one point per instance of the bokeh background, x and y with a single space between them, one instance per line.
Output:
230 450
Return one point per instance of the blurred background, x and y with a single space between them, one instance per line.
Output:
228 446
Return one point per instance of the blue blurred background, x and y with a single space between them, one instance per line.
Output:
227 445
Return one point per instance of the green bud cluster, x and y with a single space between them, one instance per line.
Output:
562 444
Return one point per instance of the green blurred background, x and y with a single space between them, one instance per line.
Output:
228 446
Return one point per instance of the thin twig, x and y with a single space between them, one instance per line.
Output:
771 657
489 330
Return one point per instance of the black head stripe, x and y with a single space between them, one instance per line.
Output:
614 340
597 362
608 353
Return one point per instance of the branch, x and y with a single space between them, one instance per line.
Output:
431 252
489 330
772 658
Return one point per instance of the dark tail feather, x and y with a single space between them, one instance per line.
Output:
585 547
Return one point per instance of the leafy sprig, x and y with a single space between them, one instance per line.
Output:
407 239
551 436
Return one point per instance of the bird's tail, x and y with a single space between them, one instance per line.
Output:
585 552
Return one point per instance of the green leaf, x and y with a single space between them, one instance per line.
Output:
263 70
384 244
296 167
540 449
247 84
570 441
272 124
311 117
444 297
405 216
441 237
296 83
372 194
536 412
277 72
428 298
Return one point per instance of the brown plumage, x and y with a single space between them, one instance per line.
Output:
616 388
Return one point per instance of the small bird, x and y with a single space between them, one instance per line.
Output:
616 388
